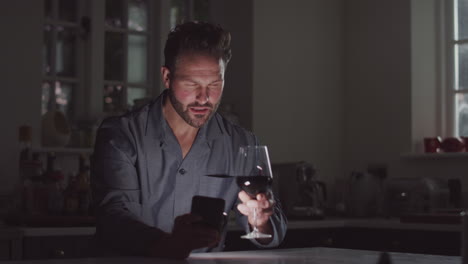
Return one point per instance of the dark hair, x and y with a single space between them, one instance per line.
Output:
197 37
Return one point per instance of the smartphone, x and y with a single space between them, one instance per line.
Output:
210 209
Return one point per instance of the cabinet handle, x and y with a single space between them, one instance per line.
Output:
396 244
58 253
329 241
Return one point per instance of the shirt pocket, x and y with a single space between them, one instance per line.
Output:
215 187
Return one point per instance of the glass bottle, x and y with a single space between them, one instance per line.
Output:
53 178
83 186
24 138
71 201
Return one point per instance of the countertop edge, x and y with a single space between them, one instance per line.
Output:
370 223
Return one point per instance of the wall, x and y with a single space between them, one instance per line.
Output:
393 89
424 71
298 82
239 76
377 69
20 75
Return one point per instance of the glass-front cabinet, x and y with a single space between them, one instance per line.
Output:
102 57
61 52
126 50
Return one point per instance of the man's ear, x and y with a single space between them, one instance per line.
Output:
165 76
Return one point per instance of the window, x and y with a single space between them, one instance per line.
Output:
126 53
96 57
186 10
61 52
100 56
458 66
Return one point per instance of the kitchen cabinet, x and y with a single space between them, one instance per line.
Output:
286 256
410 241
57 242
48 247
363 234
378 239
10 244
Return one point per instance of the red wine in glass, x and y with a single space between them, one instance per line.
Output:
254 185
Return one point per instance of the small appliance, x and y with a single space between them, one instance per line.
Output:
418 195
301 194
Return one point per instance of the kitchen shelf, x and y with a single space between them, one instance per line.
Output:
440 155
69 151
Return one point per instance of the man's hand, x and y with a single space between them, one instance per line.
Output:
186 236
264 205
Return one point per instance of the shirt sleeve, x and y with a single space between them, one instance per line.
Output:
116 194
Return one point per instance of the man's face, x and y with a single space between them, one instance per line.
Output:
196 87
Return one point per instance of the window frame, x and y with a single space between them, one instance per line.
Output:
450 72
95 80
87 107
78 79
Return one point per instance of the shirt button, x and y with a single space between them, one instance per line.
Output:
182 171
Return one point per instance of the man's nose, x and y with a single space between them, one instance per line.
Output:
203 96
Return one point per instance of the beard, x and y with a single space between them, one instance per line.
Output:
198 120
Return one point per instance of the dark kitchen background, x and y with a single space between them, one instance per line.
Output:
350 87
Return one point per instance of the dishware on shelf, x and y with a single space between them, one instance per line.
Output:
55 129
452 144
432 144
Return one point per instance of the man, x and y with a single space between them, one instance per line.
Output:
149 163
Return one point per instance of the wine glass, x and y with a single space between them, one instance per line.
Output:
254 177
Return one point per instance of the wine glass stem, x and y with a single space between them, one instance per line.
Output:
255 219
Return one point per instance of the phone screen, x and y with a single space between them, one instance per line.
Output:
210 209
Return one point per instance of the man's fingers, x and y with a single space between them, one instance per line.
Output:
268 211
247 210
244 197
260 196
265 200
261 204
243 209
262 201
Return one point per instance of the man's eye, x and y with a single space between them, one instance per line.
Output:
190 84
215 86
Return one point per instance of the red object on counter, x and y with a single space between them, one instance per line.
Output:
452 144
432 144
465 142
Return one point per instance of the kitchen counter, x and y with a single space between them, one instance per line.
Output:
362 234
278 256
376 223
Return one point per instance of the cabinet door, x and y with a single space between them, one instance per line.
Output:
5 250
48 247
408 241
10 244
319 237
